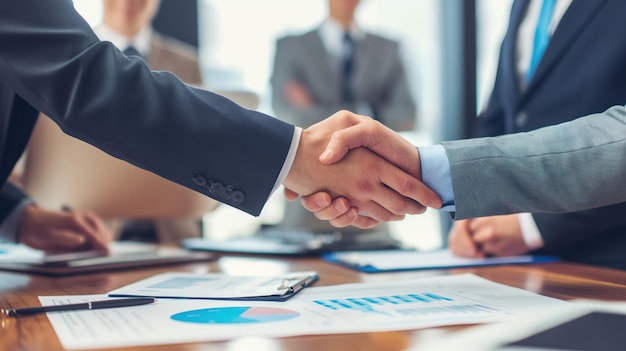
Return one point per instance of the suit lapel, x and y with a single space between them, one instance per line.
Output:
321 65
571 25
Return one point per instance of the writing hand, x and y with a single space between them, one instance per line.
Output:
460 241
379 190
495 235
62 231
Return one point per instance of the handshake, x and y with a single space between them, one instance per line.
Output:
352 170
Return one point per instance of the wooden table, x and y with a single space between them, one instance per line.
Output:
559 280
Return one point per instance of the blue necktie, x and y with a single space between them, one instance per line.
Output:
347 63
542 36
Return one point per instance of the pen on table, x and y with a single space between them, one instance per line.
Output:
91 305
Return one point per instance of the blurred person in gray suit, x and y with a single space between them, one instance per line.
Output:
127 24
336 66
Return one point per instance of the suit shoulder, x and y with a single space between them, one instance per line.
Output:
293 39
382 41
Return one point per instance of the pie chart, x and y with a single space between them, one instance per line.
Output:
235 315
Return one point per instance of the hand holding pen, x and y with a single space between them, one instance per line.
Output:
91 305
61 231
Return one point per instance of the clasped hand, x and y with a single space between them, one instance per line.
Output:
352 170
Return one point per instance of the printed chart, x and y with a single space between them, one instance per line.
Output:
235 315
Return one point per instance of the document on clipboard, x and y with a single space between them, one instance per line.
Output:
218 286
408 260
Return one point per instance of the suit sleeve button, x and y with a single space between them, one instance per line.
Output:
199 179
216 188
237 197
227 193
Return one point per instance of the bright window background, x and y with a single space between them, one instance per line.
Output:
492 19
238 41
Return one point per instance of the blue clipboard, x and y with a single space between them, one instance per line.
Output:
408 260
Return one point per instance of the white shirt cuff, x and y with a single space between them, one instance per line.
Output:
291 156
436 174
530 232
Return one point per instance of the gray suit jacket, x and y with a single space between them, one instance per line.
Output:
569 167
379 80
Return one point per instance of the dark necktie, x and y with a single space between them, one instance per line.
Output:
542 36
131 51
347 58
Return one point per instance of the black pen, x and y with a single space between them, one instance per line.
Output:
92 305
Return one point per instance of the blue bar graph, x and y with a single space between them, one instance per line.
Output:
370 304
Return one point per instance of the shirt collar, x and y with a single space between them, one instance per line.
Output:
331 33
141 41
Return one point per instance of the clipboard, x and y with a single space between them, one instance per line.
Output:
123 255
409 260
218 286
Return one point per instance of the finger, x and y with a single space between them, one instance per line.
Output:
365 222
59 240
409 187
352 217
476 224
290 195
338 208
100 236
318 201
87 226
485 237
346 219
376 211
376 137
460 241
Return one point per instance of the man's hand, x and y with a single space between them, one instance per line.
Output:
494 236
62 231
298 95
379 189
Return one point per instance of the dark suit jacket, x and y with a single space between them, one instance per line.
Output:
583 71
51 61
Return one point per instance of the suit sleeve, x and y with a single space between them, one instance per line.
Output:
569 167
51 58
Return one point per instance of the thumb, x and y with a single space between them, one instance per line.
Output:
376 137
290 195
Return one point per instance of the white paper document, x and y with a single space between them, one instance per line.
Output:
219 286
349 308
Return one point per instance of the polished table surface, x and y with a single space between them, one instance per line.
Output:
559 280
